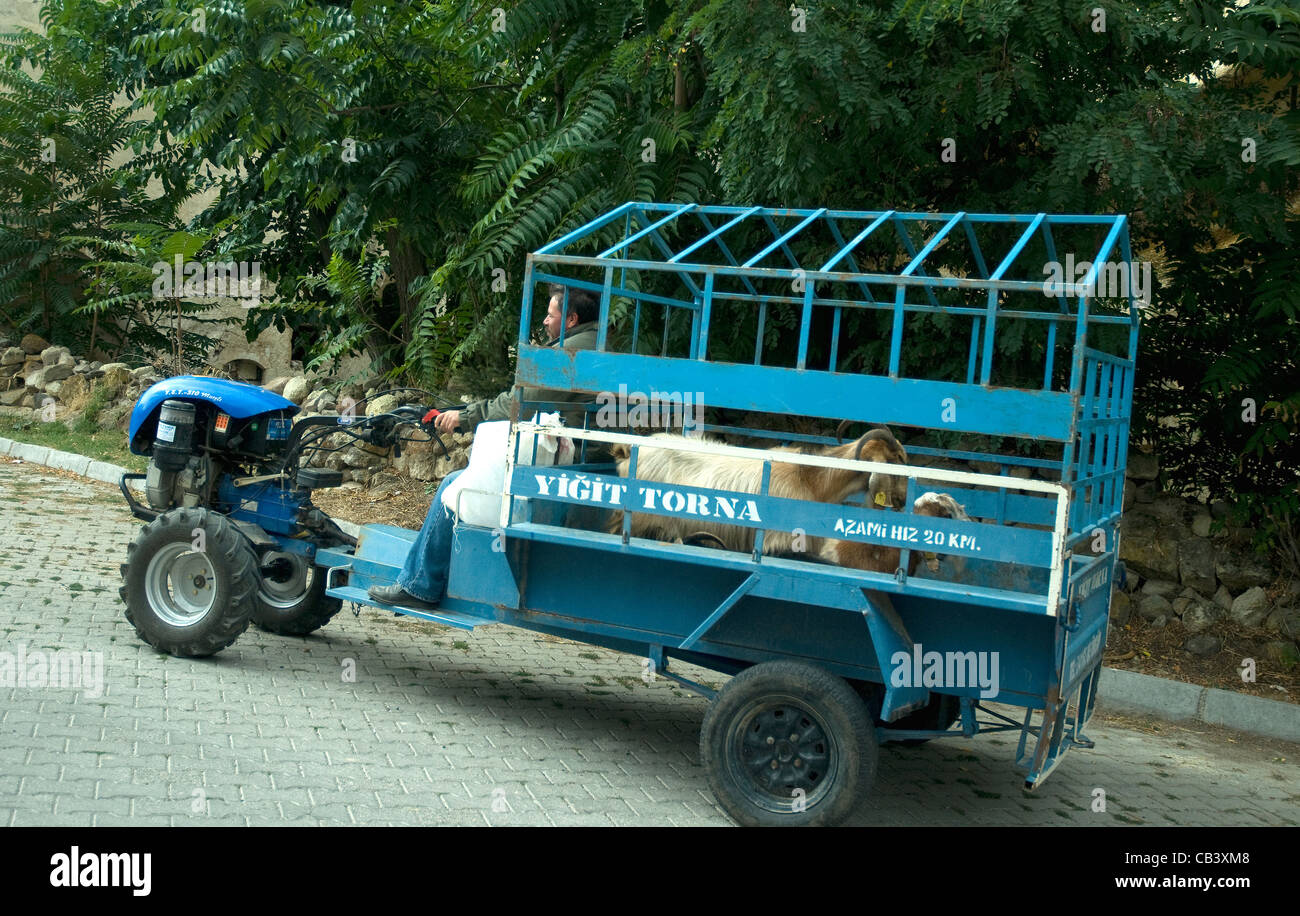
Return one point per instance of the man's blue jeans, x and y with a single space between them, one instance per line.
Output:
425 572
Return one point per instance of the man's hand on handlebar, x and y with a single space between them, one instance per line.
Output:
447 421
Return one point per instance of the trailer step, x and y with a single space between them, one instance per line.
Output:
437 615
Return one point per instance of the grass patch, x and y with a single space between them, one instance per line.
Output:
85 438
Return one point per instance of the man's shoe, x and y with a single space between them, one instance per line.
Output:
395 594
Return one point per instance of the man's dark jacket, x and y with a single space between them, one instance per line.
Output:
581 337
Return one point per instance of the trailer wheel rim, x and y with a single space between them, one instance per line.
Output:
781 755
181 585
287 591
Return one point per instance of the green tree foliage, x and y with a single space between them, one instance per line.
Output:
62 184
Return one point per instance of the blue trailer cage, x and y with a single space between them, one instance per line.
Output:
765 314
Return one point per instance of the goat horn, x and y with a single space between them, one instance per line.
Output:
842 429
698 538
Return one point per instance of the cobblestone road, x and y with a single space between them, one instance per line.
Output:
494 727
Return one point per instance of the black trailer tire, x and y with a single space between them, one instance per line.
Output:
294 604
185 601
788 744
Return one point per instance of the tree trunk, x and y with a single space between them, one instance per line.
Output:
405 263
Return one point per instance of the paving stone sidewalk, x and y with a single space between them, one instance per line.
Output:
495 727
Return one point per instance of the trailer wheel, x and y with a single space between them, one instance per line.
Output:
788 744
189 583
291 597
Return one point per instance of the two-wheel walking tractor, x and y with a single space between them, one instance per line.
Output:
1008 379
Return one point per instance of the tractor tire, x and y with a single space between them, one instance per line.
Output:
788 744
293 603
189 583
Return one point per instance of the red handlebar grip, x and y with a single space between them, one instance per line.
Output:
430 415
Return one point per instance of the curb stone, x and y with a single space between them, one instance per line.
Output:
1129 691
1118 690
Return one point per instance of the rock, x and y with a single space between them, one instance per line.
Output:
1142 466
1169 510
96 365
1145 493
1239 568
1152 606
1284 620
35 381
1160 622
55 389
58 372
1250 608
1220 508
1223 598
74 387
34 343
52 356
1181 605
1021 472
1282 652
81 368
1147 548
13 397
1201 615
115 378
986 467
419 460
296 389
8 371
1130 494
1161 587
13 356
1196 565
1201 522
359 458
382 404
276 385
1203 645
1121 608
319 401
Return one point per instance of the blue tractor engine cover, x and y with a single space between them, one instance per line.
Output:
238 399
